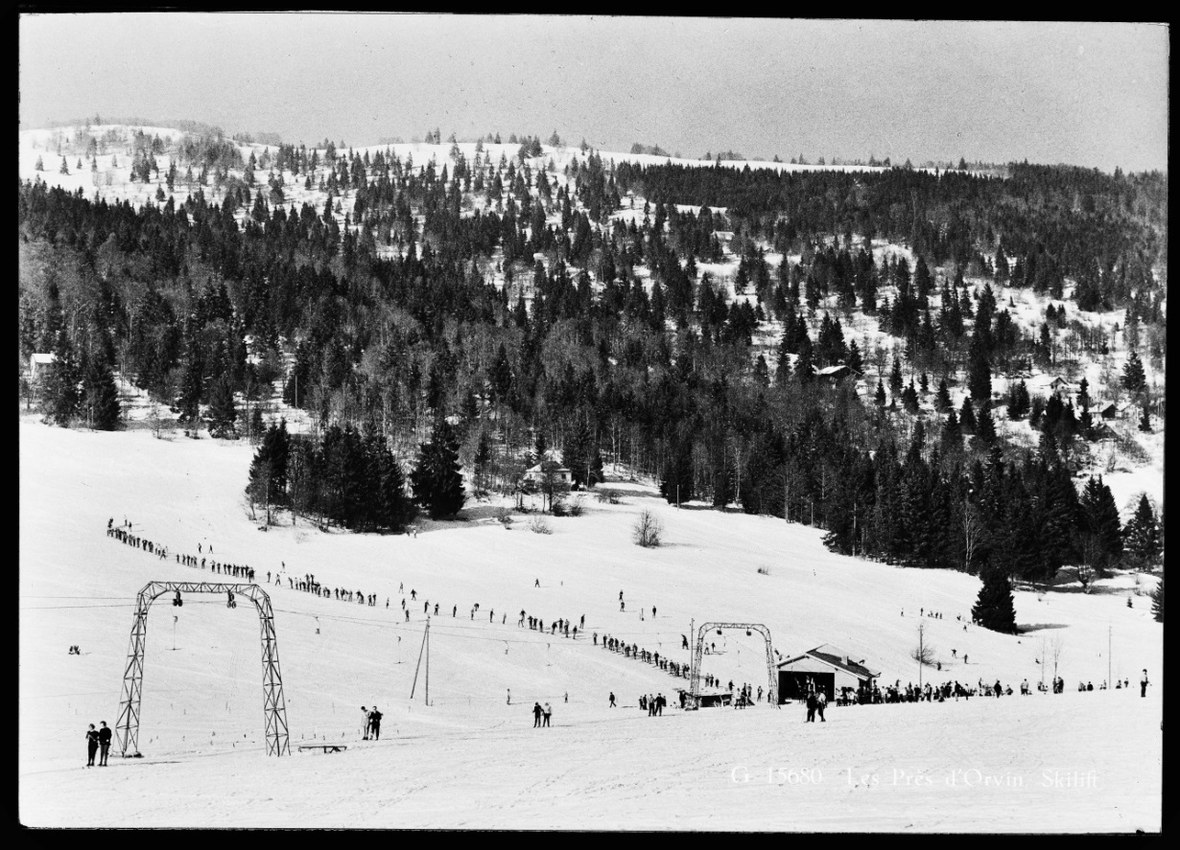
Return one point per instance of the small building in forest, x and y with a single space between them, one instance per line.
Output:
38 363
547 471
836 374
824 668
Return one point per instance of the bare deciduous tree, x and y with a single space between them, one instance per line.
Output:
1055 649
647 530
973 530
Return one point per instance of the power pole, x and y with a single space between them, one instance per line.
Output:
424 650
921 627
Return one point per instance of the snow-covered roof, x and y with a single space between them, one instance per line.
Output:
834 657
547 466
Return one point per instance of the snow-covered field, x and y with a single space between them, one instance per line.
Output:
1076 762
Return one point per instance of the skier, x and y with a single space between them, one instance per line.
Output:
375 723
365 723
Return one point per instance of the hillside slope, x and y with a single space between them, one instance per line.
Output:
470 759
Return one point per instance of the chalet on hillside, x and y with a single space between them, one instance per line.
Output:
1062 388
546 471
835 374
824 668
37 365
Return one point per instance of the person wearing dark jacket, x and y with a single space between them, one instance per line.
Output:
91 745
104 743
812 704
375 724
536 715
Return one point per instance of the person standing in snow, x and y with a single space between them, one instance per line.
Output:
375 723
548 712
1143 683
91 745
365 723
812 703
536 715
821 700
104 744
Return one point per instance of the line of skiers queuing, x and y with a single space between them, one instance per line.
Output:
370 723
931 692
631 650
864 696
308 584
98 741
123 534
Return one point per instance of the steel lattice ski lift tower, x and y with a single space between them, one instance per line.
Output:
273 706
698 651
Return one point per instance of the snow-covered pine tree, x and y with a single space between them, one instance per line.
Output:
437 480
985 426
994 608
967 417
1134 379
1100 517
59 389
1141 536
942 399
676 483
223 413
1145 418
101 396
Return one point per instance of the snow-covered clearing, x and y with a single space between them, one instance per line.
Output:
1076 762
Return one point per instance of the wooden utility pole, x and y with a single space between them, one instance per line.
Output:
423 651
921 654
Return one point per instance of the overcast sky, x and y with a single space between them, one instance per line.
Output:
1091 94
